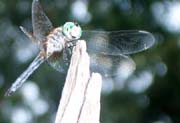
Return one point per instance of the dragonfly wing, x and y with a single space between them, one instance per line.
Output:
118 42
22 78
111 65
40 22
61 60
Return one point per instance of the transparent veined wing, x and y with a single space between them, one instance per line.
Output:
111 65
61 60
118 42
105 64
40 22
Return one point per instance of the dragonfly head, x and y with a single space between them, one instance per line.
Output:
72 30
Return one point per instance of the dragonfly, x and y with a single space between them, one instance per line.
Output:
107 49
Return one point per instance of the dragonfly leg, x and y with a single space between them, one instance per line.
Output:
28 34
71 44
66 54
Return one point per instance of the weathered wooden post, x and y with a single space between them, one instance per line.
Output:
80 100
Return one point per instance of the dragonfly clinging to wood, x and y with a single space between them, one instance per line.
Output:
107 49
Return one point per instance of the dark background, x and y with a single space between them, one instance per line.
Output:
150 95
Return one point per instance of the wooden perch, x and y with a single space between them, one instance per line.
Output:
80 100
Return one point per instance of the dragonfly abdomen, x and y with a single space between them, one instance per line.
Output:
23 77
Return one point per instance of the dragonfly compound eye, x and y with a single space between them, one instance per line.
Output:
72 30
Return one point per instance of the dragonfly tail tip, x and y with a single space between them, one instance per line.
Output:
8 93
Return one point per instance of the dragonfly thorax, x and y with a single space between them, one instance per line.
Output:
55 42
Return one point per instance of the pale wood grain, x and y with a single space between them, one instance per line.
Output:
80 100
